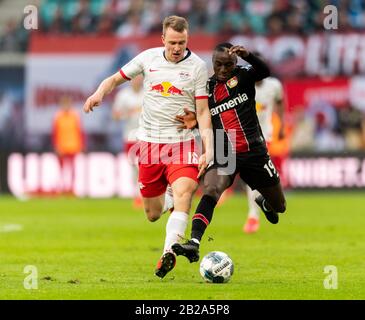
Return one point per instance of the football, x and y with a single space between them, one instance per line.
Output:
216 267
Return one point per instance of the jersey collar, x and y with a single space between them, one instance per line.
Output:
188 54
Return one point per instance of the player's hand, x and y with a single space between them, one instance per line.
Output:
202 165
188 121
93 101
241 51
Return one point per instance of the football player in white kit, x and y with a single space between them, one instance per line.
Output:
174 78
269 99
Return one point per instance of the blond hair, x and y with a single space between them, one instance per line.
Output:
176 23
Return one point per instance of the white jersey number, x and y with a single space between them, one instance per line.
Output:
193 158
271 169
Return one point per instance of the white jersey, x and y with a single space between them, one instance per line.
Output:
268 92
168 89
129 102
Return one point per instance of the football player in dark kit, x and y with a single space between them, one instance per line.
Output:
240 147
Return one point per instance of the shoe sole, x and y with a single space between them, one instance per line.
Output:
249 231
167 264
272 217
180 251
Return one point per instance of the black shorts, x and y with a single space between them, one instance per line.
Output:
255 169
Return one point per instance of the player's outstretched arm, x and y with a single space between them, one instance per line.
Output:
105 87
205 128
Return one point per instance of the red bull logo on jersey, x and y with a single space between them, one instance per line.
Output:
167 89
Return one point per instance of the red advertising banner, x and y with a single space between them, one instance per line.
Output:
301 93
322 54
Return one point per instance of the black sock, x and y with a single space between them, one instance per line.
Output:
202 217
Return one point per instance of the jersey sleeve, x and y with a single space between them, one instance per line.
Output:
257 68
201 80
133 67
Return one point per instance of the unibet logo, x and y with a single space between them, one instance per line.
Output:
166 89
229 104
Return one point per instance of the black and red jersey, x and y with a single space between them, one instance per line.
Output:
233 107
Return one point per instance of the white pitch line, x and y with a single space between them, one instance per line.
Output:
11 227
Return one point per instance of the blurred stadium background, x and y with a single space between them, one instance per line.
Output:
78 43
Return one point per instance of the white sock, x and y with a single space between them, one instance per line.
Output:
169 200
175 228
253 209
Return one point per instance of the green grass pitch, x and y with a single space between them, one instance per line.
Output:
105 249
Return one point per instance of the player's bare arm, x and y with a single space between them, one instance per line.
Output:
205 128
106 86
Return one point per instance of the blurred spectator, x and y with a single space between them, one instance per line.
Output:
327 138
275 25
84 20
168 7
183 8
352 127
276 21
231 16
132 27
295 23
214 9
127 107
58 23
356 14
257 12
106 22
151 16
344 20
198 18
6 105
13 37
302 138
68 141
225 17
